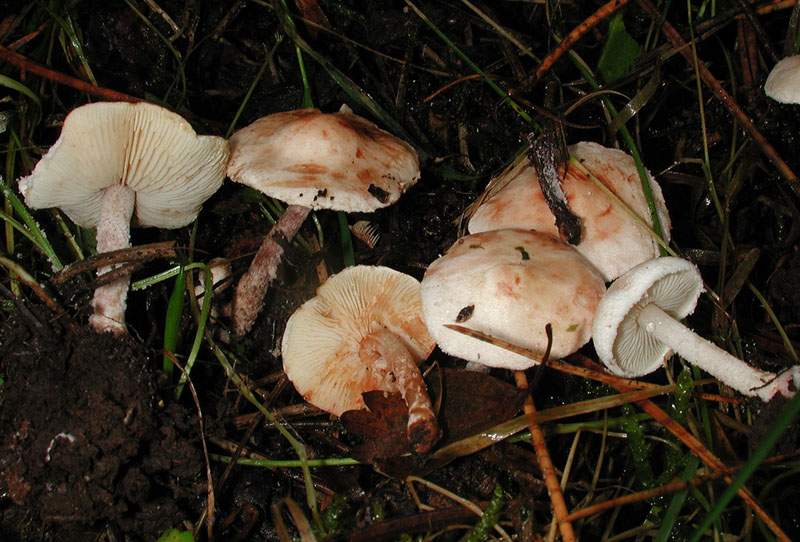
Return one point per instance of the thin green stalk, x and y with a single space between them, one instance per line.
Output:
208 285
630 143
474 67
172 322
490 517
307 100
299 448
787 414
246 99
288 463
37 235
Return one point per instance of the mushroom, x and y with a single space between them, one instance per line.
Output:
312 160
118 161
509 284
783 82
611 240
637 326
362 332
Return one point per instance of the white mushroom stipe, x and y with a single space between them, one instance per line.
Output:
113 233
397 371
637 326
139 160
711 358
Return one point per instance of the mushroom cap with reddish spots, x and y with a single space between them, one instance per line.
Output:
510 284
323 337
334 161
610 239
152 150
673 284
783 82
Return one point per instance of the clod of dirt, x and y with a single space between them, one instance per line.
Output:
83 448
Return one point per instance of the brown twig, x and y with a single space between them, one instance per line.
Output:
545 463
141 253
679 43
560 366
705 455
670 487
27 65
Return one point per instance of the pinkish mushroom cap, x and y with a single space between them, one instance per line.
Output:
323 161
510 284
362 332
611 239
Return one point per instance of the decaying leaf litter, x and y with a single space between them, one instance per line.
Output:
467 85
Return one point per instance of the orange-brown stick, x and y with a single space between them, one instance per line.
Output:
27 65
545 463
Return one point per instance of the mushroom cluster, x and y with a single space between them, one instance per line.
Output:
117 162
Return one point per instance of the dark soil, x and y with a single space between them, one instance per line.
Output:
87 447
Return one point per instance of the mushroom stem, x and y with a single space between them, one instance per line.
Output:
253 285
396 367
714 360
113 233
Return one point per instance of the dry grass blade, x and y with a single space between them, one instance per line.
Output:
560 366
484 439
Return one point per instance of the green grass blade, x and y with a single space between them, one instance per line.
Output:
33 228
787 414
205 310
346 239
13 84
172 322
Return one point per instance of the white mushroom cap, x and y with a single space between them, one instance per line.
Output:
147 148
510 284
323 161
610 239
673 284
323 338
783 82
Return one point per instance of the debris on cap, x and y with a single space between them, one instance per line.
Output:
509 284
611 240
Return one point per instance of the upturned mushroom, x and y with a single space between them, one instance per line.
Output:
114 162
362 332
783 82
509 284
637 327
312 160
611 239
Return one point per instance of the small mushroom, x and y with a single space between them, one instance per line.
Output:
637 326
611 240
362 332
114 162
312 160
783 82
510 284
